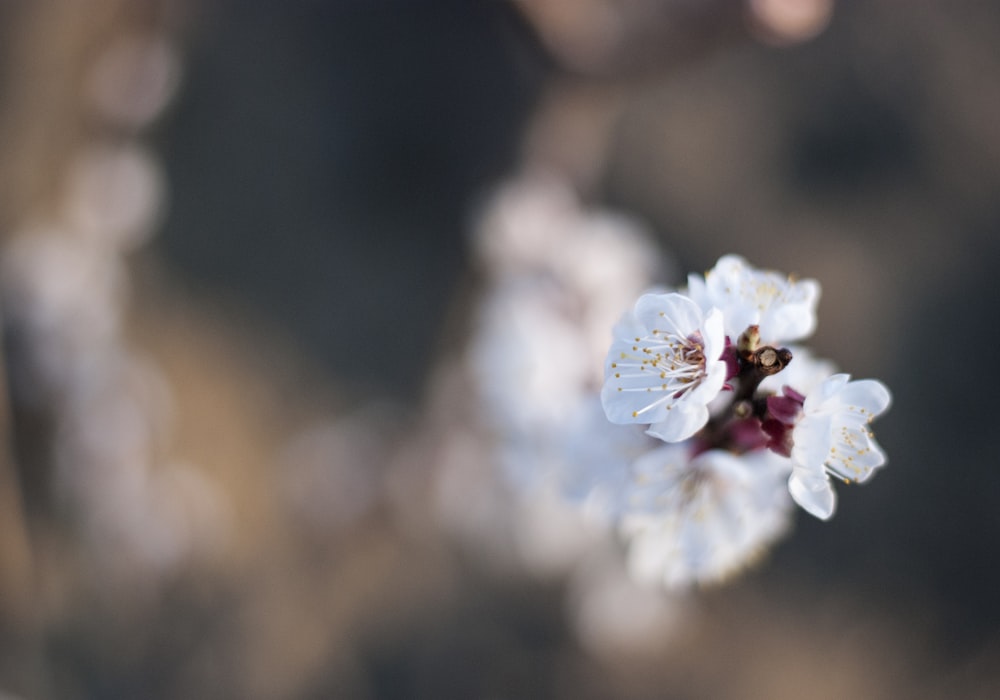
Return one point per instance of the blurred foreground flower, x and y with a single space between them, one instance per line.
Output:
700 517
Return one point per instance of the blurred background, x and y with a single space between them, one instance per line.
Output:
239 273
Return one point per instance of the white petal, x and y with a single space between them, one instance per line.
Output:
657 471
812 439
793 317
638 388
595 457
825 391
624 403
865 463
784 309
869 394
628 326
650 552
680 423
714 335
702 518
728 269
668 312
813 492
710 385
698 292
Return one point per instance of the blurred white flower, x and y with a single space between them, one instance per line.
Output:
557 277
526 224
133 79
526 356
597 460
615 616
330 472
665 366
784 22
64 299
699 518
114 195
551 535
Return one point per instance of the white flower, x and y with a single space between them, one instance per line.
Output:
596 456
664 366
527 357
699 519
832 437
785 309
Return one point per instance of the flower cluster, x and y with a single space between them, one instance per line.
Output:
711 370
708 424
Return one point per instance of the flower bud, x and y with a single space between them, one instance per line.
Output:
748 342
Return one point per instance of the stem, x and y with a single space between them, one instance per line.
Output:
754 368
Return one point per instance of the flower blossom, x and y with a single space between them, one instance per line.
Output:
783 308
831 437
699 518
712 422
665 365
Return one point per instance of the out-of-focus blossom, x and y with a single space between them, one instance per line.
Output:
114 195
62 298
526 356
789 21
134 79
551 535
135 508
528 222
557 277
330 472
616 616
598 456
699 518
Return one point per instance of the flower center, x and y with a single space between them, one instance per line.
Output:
679 361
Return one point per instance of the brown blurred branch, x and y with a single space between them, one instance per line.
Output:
18 613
